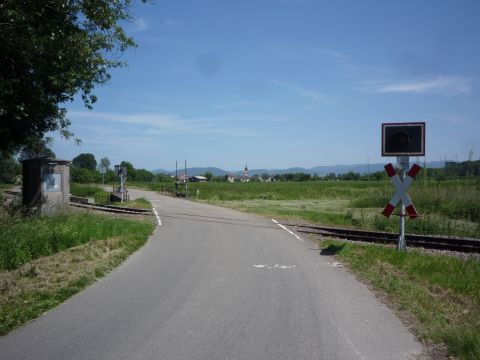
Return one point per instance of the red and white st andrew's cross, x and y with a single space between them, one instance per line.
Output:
401 190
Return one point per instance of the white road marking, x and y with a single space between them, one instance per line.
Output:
276 266
287 230
335 264
158 217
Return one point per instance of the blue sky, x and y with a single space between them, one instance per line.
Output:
283 83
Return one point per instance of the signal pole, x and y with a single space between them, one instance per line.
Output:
403 165
186 180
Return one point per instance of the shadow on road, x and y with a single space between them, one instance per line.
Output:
332 249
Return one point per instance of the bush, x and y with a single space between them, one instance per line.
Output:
9 169
84 176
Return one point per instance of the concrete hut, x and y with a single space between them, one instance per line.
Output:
46 185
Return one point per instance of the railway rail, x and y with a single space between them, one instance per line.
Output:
113 209
16 196
468 245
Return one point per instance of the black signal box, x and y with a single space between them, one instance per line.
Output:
403 139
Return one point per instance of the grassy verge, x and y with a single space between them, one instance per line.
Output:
440 293
90 191
23 240
44 261
140 203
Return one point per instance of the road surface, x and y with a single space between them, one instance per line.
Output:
214 283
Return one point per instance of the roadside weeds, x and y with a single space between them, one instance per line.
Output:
43 283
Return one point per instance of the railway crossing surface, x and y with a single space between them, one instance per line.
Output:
213 283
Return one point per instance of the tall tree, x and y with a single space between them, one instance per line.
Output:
104 164
37 148
86 161
208 175
130 169
143 175
49 51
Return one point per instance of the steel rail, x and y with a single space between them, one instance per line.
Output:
424 241
106 208
112 209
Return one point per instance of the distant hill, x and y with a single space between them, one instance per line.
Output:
319 170
160 171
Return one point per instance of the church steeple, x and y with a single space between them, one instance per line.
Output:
245 172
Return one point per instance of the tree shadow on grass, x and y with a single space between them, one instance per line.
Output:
332 249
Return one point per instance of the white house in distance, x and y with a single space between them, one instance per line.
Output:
198 179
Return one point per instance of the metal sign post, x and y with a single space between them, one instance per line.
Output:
122 174
102 171
402 164
122 182
186 180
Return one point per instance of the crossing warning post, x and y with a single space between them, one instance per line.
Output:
402 140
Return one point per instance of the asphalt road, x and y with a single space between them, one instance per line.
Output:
214 283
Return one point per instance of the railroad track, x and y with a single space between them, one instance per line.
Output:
12 195
112 209
425 241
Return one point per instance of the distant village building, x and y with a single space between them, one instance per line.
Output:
267 178
245 177
198 179
182 178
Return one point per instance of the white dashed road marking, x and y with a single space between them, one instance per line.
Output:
276 266
158 217
287 230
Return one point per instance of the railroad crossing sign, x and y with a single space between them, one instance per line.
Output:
401 190
402 140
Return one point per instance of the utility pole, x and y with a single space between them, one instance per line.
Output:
176 178
186 180
368 167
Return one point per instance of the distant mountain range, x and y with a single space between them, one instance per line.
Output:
319 170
